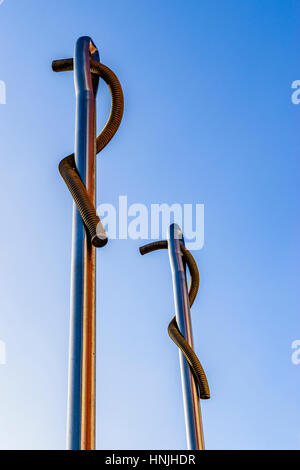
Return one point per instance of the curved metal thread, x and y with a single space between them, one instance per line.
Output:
67 166
173 329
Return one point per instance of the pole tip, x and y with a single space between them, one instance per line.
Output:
174 232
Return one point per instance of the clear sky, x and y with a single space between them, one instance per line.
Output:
208 119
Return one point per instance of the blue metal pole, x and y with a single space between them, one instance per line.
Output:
191 399
83 262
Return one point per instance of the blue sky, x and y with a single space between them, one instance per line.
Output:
208 119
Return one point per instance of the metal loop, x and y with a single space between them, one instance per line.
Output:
173 329
67 166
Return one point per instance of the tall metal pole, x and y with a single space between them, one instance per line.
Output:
81 386
191 399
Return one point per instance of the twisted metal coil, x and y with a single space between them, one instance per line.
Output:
67 166
173 329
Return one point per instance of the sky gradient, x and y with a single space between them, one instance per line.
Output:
208 119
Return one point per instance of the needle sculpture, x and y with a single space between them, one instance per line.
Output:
78 171
193 378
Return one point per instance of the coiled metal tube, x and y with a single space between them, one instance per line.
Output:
67 166
173 329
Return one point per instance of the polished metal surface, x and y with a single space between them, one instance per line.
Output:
81 385
191 400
